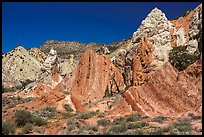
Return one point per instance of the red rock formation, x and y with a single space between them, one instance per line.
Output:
78 104
121 108
182 22
141 61
91 76
167 92
56 77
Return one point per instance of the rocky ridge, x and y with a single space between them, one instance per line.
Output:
19 65
138 79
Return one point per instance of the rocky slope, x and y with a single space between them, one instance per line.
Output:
18 66
167 92
106 89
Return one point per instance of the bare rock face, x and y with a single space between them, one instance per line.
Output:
50 60
168 92
103 50
66 65
187 31
155 28
195 32
141 62
90 78
37 54
18 66
50 72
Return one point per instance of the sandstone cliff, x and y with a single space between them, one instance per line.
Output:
90 78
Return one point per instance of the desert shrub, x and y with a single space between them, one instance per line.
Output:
180 58
22 117
38 121
66 115
68 108
133 117
86 115
157 131
117 128
194 117
183 125
118 120
103 122
8 127
159 119
4 90
101 115
47 112
72 124
39 130
27 128
112 48
92 128
136 125
138 132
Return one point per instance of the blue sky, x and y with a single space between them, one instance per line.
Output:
33 23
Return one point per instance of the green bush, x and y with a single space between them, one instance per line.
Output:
103 122
180 58
119 120
27 128
159 119
39 130
112 48
66 115
8 127
4 90
47 112
157 131
117 128
39 121
194 117
136 125
72 124
133 117
22 117
85 115
183 125
68 108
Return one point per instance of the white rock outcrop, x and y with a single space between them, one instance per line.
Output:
50 60
156 27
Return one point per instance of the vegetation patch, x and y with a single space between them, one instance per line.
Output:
46 112
86 115
137 125
68 108
183 125
103 122
159 119
27 128
22 117
133 117
4 90
8 127
117 128
119 120
180 58
194 117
